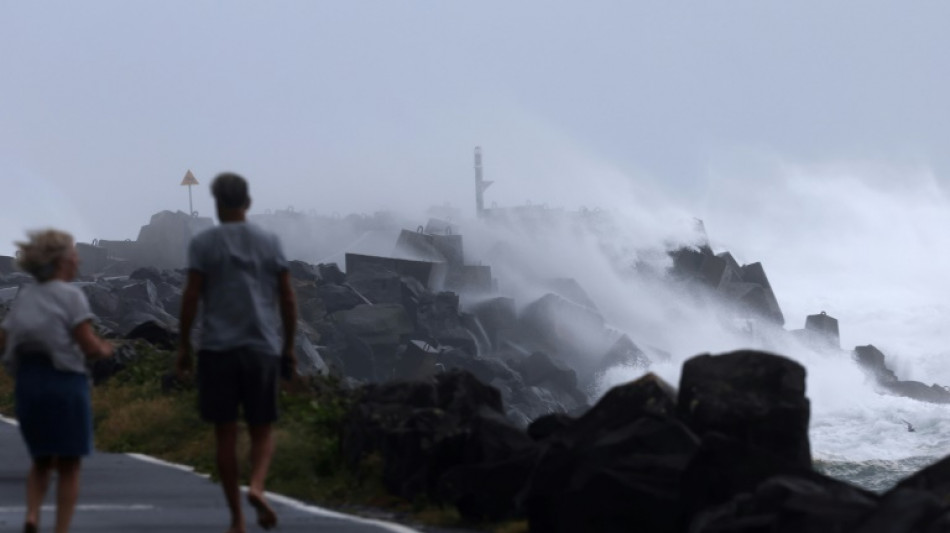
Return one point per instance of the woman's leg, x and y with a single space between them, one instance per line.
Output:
36 483
67 491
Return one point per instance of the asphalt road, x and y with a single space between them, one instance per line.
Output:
122 493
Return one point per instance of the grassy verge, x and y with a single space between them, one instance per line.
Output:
133 414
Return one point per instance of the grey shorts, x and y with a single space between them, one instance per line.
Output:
238 377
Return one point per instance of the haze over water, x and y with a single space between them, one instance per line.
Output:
867 244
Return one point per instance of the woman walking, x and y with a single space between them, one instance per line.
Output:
46 338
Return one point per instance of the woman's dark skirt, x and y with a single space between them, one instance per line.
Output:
54 409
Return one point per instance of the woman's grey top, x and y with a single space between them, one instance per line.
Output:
43 318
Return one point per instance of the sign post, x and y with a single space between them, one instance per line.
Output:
189 180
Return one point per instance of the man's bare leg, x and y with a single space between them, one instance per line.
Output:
67 491
262 450
37 482
226 439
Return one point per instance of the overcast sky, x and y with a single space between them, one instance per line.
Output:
353 106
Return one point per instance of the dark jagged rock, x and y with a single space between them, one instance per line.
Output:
791 504
549 425
386 324
724 467
617 466
377 285
488 490
437 317
463 393
732 272
907 510
422 429
699 264
539 369
919 391
311 310
558 321
571 333
154 333
934 479
118 267
418 360
624 352
569 288
142 290
92 259
471 279
755 397
747 287
303 271
176 277
767 305
354 355
477 337
825 328
16 279
102 300
625 404
331 273
872 361
626 479
445 251
371 274
135 312
7 265
147 273
338 297
309 361
167 290
420 246
497 317
172 304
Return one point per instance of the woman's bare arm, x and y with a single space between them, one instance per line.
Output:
90 343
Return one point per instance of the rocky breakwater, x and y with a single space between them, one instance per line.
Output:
379 321
727 451
872 361
382 321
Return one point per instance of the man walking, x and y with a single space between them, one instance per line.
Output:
238 272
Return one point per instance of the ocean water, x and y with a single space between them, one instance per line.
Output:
857 434
866 243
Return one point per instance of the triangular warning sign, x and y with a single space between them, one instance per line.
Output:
189 179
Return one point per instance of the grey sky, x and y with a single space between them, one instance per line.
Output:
354 106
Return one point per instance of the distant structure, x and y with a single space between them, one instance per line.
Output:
824 327
480 184
188 181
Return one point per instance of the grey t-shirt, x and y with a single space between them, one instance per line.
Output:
43 317
241 263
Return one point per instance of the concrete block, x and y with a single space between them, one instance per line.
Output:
826 327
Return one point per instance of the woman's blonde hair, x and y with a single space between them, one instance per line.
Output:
41 255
